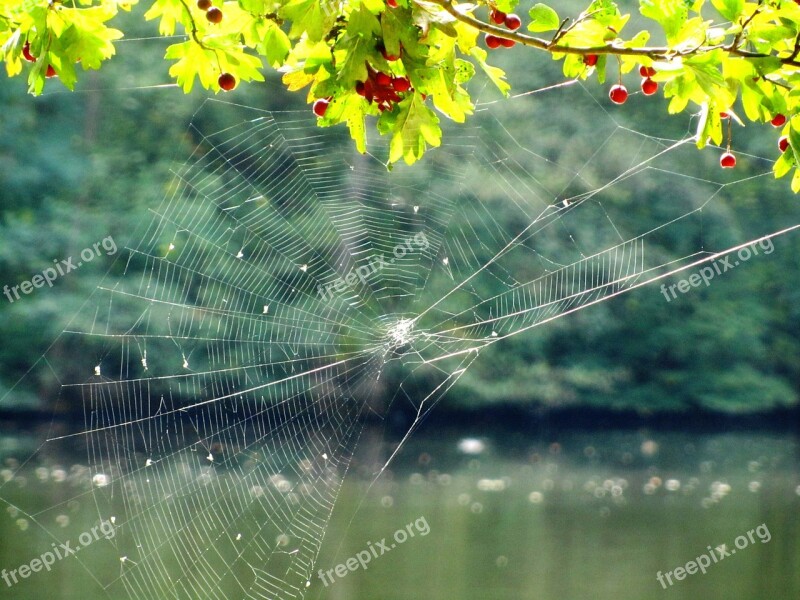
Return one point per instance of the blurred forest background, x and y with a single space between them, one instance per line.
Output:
78 167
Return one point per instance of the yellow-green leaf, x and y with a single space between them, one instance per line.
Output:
543 18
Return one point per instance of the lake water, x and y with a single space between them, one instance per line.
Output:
495 515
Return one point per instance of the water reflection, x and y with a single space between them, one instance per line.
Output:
591 515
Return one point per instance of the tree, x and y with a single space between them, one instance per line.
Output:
408 61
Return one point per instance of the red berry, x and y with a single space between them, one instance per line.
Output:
646 71
227 82
649 87
783 143
512 21
203 4
51 72
361 89
724 115
492 41
383 80
26 53
590 60
506 43
778 120
498 16
214 15
618 94
727 161
391 3
401 84
320 107
387 56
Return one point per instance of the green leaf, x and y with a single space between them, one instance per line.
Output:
784 164
587 34
794 146
413 126
438 82
275 45
355 115
730 9
796 181
670 14
506 6
753 98
193 61
425 14
605 12
170 11
495 74
543 18
352 55
307 16
465 71
709 126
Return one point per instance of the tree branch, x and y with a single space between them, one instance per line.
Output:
655 52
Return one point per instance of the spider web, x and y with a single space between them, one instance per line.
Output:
284 292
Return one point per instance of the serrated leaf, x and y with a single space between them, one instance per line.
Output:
603 11
192 61
275 45
670 14
307 16
352 55
784 164
355 115
587 34
543 18
413 127
796 181
438 82
709 126
170 11
465 71
424 14
297 80
495 74
794 142
730 9
752 98
506 6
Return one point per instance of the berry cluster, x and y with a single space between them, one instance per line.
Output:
649 87
213 14
618 93
382 88
512 21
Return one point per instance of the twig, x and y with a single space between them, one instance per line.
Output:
561 32
655 52
738 38
194 26
796 50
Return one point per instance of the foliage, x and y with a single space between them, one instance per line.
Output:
402 61
71 174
